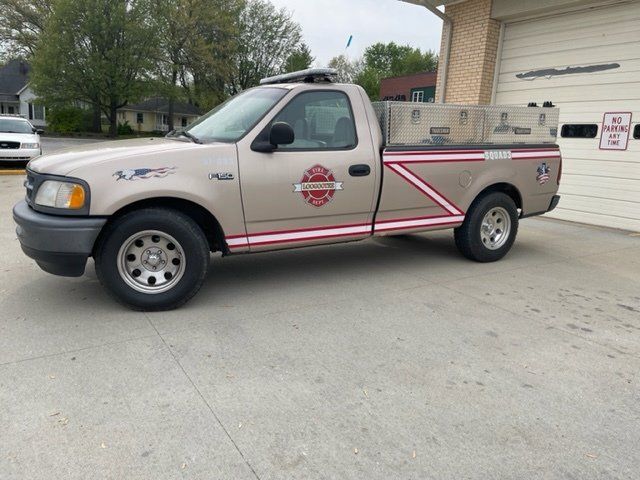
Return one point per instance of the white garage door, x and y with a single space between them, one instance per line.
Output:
587 63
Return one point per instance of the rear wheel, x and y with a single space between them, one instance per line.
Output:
490 228
152 259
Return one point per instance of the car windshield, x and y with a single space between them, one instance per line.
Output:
15 125
231 121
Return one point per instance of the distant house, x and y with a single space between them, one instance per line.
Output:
16 97
152 115
420 87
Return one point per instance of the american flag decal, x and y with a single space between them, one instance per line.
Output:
143 173
543 174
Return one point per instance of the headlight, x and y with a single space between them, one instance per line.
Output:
60 195
30 145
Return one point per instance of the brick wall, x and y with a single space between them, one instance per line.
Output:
474 49
390 87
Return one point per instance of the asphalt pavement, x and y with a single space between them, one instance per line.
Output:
392 358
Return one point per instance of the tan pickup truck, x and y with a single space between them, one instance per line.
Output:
298 161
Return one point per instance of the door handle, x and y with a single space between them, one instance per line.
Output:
359 170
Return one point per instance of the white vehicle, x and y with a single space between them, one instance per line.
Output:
19 140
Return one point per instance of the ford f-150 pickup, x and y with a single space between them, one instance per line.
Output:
298 161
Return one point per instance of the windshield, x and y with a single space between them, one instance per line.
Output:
15 125
230 121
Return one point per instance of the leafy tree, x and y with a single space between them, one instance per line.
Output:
95 51
390 60
300 59
266 39
347 69
21 24
196 41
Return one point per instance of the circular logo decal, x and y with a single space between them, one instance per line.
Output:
318 186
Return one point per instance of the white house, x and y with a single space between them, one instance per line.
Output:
16 97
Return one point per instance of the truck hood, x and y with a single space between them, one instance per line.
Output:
64 162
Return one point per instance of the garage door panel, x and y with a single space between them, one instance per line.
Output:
617 37
629 187
574 22
629 170
595 218
591 56
511 83
599 187
604 93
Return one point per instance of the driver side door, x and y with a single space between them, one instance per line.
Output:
321 188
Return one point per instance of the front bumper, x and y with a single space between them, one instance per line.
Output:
59 245
18 154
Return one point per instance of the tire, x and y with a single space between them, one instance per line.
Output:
491 242
152 259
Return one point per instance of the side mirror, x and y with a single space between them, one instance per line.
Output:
280 133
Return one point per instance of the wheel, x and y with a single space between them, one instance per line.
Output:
489 229
152 259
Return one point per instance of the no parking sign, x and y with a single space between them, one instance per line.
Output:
615 131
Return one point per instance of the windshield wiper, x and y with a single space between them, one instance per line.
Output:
183 133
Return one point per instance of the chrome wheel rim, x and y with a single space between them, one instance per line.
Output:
151 262
495 228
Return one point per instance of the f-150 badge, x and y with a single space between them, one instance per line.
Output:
318 186
144 173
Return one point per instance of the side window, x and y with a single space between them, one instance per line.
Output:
320 120
139 117
579 131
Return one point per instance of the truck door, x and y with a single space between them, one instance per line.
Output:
322 187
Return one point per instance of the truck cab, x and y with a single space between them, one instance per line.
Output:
298 161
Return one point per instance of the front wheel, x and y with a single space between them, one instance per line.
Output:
152 259
489 229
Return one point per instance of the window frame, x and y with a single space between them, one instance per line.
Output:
419 94
332 149
139 118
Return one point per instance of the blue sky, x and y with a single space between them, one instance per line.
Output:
327 24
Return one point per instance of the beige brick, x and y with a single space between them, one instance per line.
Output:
474 48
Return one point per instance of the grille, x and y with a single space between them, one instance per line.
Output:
9 145
405 123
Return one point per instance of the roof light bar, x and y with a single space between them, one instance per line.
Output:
311 75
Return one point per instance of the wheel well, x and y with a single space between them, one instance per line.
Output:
205 220
507 189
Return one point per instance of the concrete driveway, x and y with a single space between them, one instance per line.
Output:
388 359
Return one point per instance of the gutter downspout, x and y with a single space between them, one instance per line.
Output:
444 62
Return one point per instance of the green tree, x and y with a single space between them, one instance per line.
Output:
390 60
300 59
95 51
196 40
21 25
347 69
266 39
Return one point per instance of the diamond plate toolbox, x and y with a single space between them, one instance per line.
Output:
405 123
